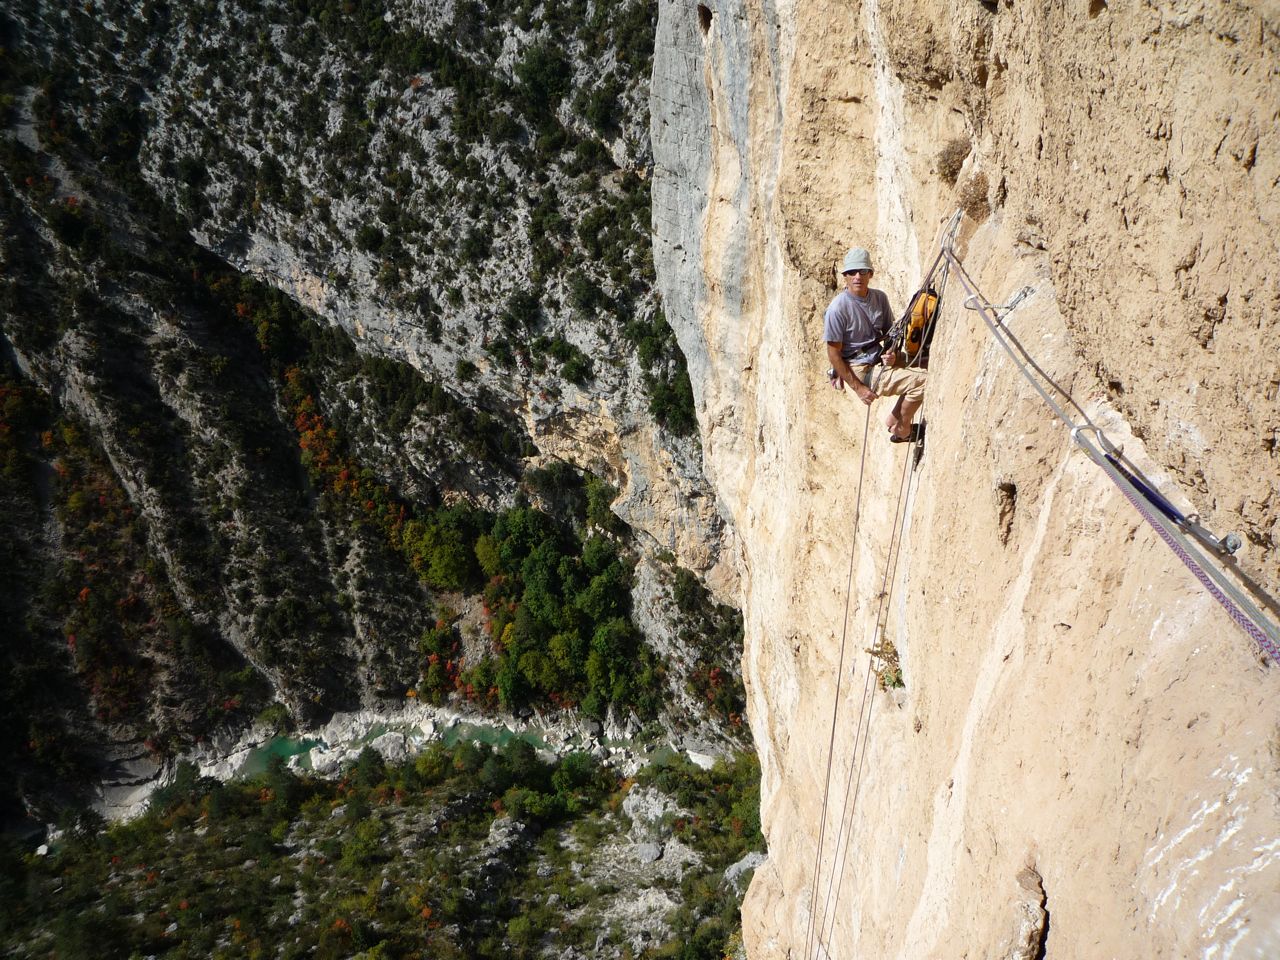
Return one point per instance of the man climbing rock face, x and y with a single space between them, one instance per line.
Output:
855 324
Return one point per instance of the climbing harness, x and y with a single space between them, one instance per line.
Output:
1179 532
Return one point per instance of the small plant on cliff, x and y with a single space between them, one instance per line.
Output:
973 197
889 669
951 158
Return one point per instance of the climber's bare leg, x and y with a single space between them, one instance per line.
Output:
903 412
891 421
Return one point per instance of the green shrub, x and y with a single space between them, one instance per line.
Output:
370 238
577 370
544 74
476 245
502 352
671 403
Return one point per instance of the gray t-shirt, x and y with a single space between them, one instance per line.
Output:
858 324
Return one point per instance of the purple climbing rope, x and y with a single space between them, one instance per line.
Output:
1234 612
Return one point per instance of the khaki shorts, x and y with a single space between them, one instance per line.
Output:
905 382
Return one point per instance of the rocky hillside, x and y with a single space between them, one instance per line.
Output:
1083 758
335 377
478 208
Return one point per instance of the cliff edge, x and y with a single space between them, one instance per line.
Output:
1085 758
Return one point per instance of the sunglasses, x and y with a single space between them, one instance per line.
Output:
849 273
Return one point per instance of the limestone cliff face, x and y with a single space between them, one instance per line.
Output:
1085 758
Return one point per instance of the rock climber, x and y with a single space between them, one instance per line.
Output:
854 326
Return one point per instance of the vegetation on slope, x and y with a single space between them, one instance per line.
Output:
487 166
212 498
276 537
466 852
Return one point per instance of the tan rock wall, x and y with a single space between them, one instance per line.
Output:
1074 701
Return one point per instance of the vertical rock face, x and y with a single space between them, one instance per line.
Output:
1075 705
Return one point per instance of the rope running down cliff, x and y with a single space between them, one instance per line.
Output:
835 710
1176 530
863 731
940 269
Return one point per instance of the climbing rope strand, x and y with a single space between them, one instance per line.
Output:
1133 475
863 728
1220 549
1003 335
1006 337
882 614
827 915
835 709
1221 589
1240 608
858 735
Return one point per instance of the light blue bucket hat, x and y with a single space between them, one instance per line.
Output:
856 259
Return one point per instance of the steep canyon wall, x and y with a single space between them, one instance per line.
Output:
1085 758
